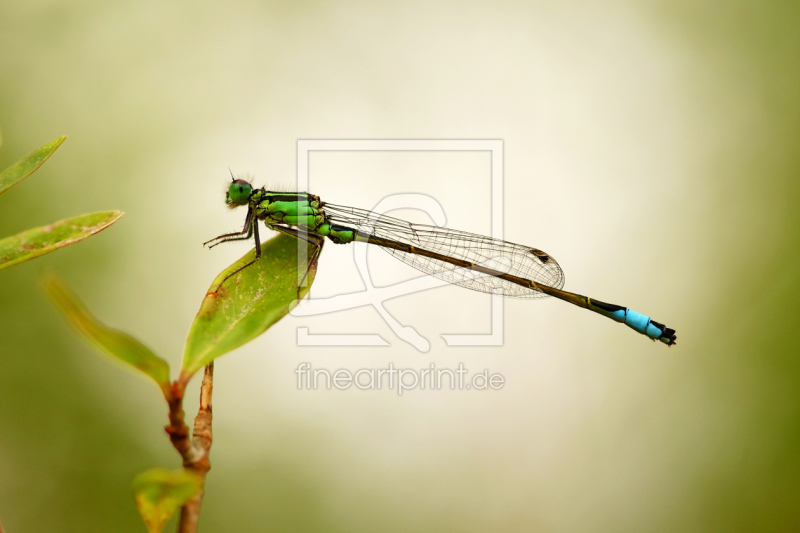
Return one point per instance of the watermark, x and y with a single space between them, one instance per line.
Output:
399 379
375 296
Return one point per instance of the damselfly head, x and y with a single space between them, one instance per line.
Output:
238 193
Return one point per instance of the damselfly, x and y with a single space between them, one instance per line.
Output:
472 261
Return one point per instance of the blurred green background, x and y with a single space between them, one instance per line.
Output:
652 147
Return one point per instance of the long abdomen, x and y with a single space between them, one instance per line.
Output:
638 322
475 262
634 320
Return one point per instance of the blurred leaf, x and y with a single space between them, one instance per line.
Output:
160 492
118 344
248 303
39 241
27 165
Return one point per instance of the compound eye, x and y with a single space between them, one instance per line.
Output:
239 192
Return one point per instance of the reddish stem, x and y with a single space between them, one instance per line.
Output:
194 451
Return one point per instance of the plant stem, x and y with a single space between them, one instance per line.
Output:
196 458
177 430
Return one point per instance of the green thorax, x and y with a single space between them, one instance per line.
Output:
298 209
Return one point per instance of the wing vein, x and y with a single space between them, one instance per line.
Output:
505 257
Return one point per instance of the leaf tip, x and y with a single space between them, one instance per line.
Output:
119 345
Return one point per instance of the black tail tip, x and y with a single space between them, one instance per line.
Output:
668 337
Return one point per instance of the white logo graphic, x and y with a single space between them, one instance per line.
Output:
375 296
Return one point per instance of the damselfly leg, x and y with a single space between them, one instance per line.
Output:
244 235
254 231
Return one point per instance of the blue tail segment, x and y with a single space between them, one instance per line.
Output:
636 321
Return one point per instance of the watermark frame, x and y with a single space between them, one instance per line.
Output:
376 295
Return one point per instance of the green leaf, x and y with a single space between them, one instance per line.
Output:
248 303
27 165
39 241
116 343
160 492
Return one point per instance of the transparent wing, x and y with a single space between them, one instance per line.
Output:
502 256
